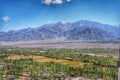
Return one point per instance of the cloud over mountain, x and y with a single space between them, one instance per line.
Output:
6 19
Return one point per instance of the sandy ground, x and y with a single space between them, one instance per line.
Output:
59 44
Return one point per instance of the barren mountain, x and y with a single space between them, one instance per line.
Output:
80 30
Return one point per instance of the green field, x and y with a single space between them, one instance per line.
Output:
57 64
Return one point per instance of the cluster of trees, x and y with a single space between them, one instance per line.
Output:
100 67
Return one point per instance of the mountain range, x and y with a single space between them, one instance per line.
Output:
80 30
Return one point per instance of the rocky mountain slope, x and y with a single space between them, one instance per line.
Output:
80 30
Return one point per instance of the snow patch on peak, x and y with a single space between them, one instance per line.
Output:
64 22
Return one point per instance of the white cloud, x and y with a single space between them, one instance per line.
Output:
57 1
6 19
68 0
48 2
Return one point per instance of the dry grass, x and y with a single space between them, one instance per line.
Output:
46 59
1 54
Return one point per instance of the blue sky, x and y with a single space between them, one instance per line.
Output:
19 14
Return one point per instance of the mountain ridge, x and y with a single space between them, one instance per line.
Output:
80 30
